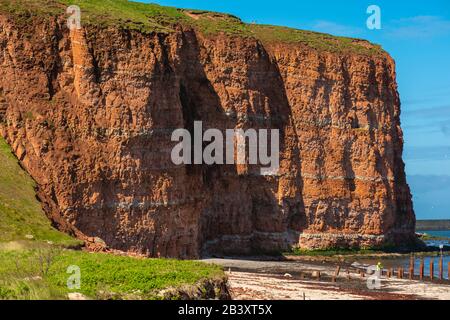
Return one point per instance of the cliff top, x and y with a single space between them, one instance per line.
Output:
155 18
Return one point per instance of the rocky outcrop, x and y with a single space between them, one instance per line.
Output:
90 113
208 289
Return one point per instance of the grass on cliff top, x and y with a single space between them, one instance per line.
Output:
319 41
21 213
26 274
149 17
155 18
129 15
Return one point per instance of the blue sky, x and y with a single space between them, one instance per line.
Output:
417 35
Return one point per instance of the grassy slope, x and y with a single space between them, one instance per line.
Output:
103 276
152 17
20 213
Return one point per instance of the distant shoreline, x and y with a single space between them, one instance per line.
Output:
433 225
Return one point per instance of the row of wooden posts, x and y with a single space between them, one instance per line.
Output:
400 272
422 268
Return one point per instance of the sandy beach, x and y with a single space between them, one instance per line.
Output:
298 280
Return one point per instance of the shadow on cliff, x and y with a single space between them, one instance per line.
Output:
241 213
200 208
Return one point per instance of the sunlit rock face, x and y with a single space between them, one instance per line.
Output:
90 113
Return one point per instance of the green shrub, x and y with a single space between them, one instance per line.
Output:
103 276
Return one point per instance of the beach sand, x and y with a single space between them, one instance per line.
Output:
297 280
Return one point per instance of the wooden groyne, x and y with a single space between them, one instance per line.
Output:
438 271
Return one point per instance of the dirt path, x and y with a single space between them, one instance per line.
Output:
297 280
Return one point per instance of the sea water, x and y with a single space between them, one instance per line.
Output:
441 234
404 261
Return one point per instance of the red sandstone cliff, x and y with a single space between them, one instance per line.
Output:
90 114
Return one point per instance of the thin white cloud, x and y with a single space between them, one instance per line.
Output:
438 112
415 153
418 27
336 28
427 120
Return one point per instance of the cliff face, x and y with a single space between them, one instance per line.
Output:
90 113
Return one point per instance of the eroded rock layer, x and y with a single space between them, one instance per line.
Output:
90 113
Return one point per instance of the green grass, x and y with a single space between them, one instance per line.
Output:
30 8
102 275
319 41
152 17
387 248
21 213
211 23
128 15
149 18
335 251
35 269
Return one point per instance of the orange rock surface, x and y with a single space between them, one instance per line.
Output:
90 113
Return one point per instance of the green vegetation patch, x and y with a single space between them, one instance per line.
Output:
316 40
336 251
30 8
149 18
416 246
129 15
42 274
155 18
211 23
21 214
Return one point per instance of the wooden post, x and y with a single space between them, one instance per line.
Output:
441 269
448 271
348 274
422 268
411 267
338 269
336 274
431 268
391 272
399 273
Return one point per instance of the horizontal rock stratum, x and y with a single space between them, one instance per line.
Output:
89 113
